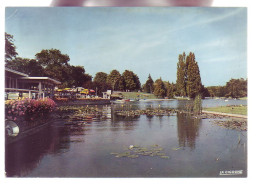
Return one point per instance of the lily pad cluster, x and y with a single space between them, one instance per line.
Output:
148 112
78 109
138 151
232 124
76 115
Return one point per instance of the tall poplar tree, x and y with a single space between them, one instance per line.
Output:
181 75
193 85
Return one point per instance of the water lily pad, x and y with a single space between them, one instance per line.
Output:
160 154
133 156
113 153
176 149
165 157
158 149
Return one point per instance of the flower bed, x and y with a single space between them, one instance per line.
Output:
28 109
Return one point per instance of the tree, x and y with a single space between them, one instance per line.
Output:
217 91
100 83
52 57
131 80
148 86
77 76
170 89
137 82
27 66
10 48
120 85
113 79
188 81
236 88
55 65
181 75
159 88
193 85
100 77
204 92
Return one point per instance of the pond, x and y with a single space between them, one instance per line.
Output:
154 146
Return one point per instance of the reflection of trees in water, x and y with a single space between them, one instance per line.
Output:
184 105
125 122
188 130
118 124
23 156
149 120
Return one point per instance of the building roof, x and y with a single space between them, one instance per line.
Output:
27 77
16 72
41 78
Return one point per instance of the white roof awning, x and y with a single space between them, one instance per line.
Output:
16 72
41 78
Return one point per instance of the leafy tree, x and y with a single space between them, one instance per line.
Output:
100 77
89 85
52 57
27 66
204 92
130 80
236 88
216 91
193 85
120 85
100 87
148 86
77 76
181 75
137 82
10 48
170 89
159 88
113 79
55 65
100 83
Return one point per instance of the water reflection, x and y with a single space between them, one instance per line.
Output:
188 130
24 155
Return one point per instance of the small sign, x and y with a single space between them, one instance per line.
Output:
230 172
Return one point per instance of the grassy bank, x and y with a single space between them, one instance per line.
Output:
241 110
138 95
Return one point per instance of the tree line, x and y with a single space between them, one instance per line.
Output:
127 81
159 88
235 88
52 63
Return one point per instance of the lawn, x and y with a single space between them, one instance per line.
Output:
138 95
242 110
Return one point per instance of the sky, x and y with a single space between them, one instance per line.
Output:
145 40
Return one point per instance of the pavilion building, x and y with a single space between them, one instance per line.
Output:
21 85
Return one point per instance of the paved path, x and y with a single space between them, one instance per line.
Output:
225 114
